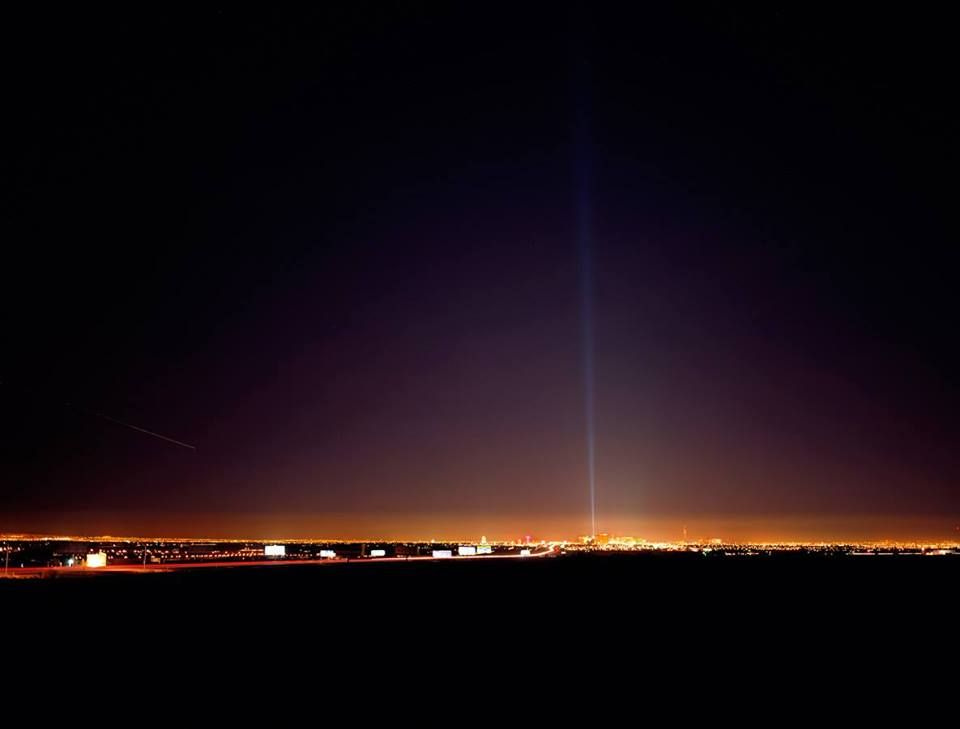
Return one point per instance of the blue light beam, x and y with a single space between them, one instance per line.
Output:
583 174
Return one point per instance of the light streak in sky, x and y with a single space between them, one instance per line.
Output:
116 421
142 430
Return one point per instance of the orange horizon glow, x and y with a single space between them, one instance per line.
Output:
743 529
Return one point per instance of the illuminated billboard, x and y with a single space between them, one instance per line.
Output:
327 554
484 549
97 559
442 553
466 551
274 550
378 553
524 552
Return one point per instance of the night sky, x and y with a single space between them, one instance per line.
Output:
340 252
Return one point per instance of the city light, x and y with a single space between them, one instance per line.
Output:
32 556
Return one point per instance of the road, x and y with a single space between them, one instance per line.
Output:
25 572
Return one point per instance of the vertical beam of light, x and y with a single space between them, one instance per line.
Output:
586 336
583 176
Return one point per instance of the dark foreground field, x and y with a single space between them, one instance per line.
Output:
606 583
687 611
777 637
450 590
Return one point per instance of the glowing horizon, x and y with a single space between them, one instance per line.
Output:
731 529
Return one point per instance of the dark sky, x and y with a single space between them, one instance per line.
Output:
337 250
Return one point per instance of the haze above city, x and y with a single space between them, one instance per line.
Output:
437 271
